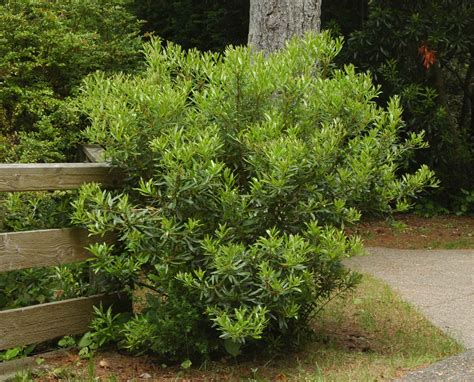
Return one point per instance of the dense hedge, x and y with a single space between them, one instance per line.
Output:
387 37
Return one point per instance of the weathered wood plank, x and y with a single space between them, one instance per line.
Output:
56 176
8 369
45 248
44 322
94 153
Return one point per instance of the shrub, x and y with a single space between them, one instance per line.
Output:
46 49
240 167
413 50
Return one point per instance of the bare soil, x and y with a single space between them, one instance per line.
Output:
109 366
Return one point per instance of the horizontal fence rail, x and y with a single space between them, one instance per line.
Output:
38 323
93 153
51 247
45 248
56 176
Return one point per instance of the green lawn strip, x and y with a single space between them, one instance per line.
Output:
463 243
371 335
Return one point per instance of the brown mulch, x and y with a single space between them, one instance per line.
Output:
416 232
113 366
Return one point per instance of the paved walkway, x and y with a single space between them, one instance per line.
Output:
453 369
440 283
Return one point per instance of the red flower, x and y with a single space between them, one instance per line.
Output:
429 56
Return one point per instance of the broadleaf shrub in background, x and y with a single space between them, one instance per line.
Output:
423 51
241 171
46 49
41 210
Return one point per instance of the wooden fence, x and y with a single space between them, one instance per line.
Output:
51 247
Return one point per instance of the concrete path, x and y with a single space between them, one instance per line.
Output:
454 369
440 283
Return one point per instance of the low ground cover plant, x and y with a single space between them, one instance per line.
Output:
241 171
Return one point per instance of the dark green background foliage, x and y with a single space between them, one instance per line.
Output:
203 24
343 17
438 99
239 166
46 49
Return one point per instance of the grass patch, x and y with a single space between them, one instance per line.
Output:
464 243
369 335
372 335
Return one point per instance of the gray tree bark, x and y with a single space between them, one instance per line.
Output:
272 22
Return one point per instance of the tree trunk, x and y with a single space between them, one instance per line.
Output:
272 22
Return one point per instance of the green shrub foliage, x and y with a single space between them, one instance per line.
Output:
40 210
423 51
239 169
46 49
